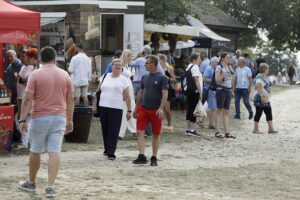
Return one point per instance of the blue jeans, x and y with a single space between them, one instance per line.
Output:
238 94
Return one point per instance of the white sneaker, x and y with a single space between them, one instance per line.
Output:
26 186
50 192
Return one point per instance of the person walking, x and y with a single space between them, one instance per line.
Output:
223 79
262 99
150 104
169 72
114 91
127 73
211 92
242 87
51 118
81 73
194 94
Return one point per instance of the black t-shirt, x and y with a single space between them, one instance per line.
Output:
153 84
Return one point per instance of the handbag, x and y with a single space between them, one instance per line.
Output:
98 93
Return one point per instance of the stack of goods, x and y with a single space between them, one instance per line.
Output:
4 97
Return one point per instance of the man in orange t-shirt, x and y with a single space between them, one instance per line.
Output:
50 93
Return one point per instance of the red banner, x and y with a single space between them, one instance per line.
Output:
19 37
6 127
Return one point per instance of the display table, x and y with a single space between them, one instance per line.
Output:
6 128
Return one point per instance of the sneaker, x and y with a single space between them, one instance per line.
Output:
193 133
237 117
251 115
186 132
50 192
153 161
140 160
26 186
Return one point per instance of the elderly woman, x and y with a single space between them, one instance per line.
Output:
128 73
29 61
169 72
262 98
223 79
114 89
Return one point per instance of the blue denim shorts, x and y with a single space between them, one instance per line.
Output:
211 100
47 130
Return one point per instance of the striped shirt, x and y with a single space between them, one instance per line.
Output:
80 69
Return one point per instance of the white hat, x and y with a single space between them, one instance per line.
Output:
214 59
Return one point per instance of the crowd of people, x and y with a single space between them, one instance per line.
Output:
134 94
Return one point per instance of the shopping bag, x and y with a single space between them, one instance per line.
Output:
199 110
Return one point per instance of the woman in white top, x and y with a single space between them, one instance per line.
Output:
30 60
128 73
195 78
114 91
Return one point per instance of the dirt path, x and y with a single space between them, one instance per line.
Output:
250 167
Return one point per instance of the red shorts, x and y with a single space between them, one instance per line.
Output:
144 116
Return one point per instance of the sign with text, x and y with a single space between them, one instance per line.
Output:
6 128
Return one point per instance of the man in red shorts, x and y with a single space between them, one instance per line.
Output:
150 103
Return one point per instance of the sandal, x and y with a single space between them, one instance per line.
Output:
272 132
257 132
218 135
228 135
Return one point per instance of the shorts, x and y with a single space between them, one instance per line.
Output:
47 130
204 95
80 91
211 100
223 97
144 116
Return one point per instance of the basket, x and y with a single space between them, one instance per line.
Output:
82 119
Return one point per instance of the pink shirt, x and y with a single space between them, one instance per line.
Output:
49 86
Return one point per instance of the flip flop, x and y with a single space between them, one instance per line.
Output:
228 135
218 135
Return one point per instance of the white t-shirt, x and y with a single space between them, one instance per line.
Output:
196 72
112 91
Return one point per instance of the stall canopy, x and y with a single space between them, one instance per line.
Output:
17 25
52 17
204 31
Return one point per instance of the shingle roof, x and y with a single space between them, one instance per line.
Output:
209 14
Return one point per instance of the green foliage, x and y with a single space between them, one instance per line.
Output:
279 61
165 11
280 18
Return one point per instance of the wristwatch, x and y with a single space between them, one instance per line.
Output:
129 111
22 121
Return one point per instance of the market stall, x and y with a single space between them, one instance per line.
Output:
19 26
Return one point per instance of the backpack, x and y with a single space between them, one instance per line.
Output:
187 82
213 84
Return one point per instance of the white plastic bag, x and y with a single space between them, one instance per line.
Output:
200 110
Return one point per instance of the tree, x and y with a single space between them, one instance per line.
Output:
280 18
279 61
165 11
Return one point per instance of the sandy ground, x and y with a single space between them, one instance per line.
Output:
250 167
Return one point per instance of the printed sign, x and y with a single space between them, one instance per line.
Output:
6 128
20 37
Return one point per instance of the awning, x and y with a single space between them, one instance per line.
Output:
52 17
179 45
175 29
204 30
